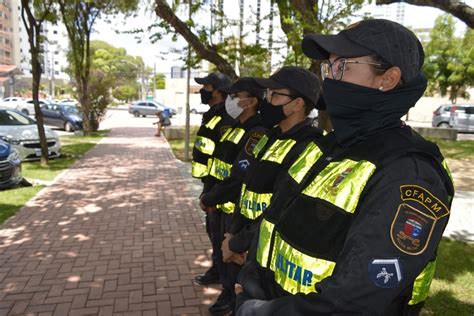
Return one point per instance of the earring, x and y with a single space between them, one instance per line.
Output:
381 88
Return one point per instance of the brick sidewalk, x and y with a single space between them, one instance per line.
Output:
117 234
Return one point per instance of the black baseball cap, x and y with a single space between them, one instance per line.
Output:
216 79
246 84
298 79
391 41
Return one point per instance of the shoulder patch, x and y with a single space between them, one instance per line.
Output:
252 141
385 273
411 229
424 198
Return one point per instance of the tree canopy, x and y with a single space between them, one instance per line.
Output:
448 63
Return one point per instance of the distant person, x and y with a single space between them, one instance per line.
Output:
159 123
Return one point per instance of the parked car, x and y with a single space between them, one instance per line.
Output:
68 102
21 132
199 108
462 117
19 104
442 114
10 166
63 116
144 108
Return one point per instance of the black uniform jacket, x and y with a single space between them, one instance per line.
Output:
228 190
409 178
265 176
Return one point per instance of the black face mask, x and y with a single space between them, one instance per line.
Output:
357 111
206 96
271 114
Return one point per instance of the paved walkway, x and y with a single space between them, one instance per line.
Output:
117 234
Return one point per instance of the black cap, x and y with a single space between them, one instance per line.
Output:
246 84
216 79
298 79
393 42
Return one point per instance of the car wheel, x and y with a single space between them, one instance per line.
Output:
143 115
444 125
194 111
68 127
136 114
25 111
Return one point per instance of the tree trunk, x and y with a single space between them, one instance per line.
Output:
33 27
205 52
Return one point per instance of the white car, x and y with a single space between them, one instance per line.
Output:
19 104
21 132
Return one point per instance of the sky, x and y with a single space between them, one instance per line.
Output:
158 54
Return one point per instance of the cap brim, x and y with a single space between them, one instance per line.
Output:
319 47
202 80
269 83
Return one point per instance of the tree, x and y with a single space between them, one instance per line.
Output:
33 18
457 8
159 80
79 17
448 64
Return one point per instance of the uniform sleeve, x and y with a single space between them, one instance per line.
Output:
399 224
229 189
241 241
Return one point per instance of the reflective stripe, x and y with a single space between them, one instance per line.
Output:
220 169
278 150
233 135
252 204
341 183
261 143
227 207
444 163
295 271
213 122
421 287
301 166
264 239
198 170
204 145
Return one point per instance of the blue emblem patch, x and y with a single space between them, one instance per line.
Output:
385 273
244 164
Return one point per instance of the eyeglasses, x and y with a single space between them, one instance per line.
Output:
269 95
338 66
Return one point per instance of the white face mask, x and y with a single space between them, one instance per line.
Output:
232 107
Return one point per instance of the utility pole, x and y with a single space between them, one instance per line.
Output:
188 78
154 79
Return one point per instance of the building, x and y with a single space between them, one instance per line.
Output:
54 59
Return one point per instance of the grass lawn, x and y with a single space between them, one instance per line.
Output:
73 148
177 145
460 149
452 290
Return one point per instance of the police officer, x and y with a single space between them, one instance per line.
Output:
215 122
361 236
292 92
231 160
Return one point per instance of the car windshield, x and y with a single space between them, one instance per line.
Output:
71 109
8 117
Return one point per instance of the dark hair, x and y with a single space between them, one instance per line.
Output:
380 70
308 105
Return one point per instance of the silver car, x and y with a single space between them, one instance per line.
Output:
442 114
462 117
21 132
144 108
